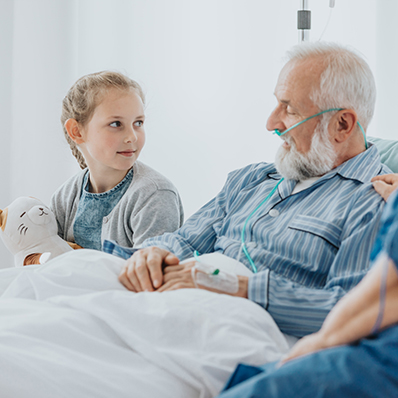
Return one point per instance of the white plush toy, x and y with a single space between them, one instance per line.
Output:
28 228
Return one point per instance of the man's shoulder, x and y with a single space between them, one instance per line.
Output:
363 167
385 169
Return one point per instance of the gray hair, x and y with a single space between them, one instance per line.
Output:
346 81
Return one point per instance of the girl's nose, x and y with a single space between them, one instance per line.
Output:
131 136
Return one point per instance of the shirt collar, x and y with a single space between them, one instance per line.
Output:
361 167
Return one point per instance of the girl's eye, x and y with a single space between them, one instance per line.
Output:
115 124
139 123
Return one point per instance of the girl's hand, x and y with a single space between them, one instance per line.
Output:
143 271
385 184
305 346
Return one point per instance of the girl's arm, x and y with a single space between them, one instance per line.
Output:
355 314
161 213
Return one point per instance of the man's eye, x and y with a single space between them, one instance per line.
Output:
115 124
139 123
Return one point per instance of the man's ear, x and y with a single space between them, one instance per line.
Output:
346 123
74 131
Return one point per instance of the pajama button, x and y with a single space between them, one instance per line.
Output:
273 213
105 220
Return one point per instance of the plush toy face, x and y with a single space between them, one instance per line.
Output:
26 221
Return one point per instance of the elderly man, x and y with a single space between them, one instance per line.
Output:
355 353
306 223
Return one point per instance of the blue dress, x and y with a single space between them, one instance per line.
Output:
367 368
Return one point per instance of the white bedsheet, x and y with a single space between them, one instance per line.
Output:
69 329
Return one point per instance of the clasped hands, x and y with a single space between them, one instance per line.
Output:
155 269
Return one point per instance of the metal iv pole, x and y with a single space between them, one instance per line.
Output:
304 21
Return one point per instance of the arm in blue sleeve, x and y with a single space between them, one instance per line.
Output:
200 231
300 310
196 234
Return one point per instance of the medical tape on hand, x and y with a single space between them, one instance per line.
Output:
210 276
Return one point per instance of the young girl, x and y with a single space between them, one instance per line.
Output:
114 197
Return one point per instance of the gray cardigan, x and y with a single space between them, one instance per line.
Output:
150 207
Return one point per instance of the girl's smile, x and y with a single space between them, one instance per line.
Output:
127 153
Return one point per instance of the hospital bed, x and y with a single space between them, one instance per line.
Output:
68 328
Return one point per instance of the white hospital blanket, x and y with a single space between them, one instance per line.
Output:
70 329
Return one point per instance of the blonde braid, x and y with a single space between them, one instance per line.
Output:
76 152
67 112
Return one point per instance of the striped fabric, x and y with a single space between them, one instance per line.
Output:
111 247
309 250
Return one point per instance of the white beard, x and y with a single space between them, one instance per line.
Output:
319 160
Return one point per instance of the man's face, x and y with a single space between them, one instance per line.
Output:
295 84
306 151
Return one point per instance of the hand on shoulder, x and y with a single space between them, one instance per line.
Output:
385 184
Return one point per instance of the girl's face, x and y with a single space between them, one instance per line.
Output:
115 135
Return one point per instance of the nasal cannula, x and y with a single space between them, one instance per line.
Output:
276 131
243 244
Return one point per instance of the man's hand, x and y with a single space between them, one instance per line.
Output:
180 277
143 270
385 184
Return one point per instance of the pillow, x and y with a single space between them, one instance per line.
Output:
388 150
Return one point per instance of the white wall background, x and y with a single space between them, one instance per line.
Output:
208 68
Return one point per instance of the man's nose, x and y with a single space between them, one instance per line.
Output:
275 122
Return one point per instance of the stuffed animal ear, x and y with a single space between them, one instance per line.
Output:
3 218
33 258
